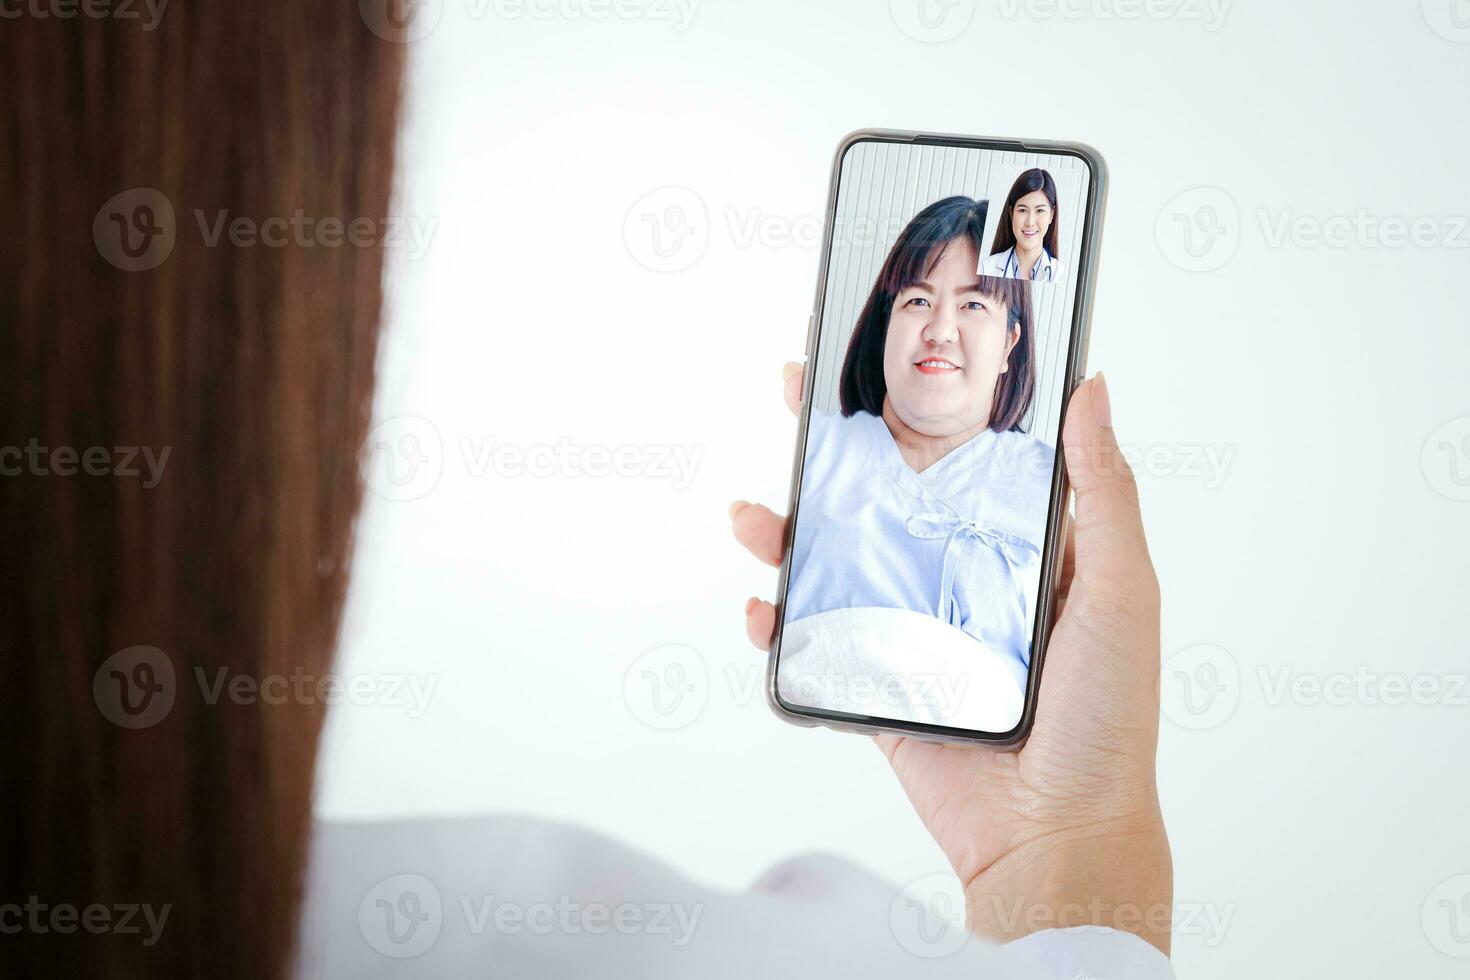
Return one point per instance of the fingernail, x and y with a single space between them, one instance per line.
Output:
1102 408
737 507
750 604
790 370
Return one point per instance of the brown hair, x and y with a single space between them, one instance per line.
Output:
862 386
251 368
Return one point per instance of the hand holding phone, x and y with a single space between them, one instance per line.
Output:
1067 831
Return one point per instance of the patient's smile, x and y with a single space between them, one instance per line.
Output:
936 365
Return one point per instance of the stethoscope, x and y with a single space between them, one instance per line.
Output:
1013 265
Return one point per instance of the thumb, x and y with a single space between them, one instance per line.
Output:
1111 552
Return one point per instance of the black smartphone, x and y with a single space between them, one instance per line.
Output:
928 495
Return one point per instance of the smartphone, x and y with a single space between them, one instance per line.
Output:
928 494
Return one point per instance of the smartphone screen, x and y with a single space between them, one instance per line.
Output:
927 494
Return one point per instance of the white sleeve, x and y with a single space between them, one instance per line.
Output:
517 897
1080 953
994 265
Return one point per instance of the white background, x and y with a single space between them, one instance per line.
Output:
1330 535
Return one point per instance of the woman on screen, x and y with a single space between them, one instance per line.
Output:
1026 242
925 493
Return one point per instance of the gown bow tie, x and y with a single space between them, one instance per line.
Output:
961 535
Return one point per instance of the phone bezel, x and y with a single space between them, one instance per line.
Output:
1060 489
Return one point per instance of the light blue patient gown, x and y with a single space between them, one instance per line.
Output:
960 541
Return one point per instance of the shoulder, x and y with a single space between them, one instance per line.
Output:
1030 455
995 264
352 866
1031 447
1028 463
836 444
834 430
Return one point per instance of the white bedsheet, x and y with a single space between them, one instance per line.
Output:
898 664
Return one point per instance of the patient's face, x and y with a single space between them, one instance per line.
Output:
947 344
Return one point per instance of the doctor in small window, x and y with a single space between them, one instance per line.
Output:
1026 242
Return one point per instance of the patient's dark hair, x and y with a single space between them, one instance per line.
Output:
913 256
252 367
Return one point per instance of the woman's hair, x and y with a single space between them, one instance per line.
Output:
1031 180
919 247
245 375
